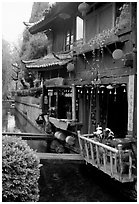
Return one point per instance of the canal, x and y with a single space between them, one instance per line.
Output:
68 182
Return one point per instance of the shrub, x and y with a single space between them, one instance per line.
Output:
20 171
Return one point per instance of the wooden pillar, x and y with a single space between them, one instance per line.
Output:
73 102
57 103
134 42
130 104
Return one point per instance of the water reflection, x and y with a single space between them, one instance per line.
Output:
8 120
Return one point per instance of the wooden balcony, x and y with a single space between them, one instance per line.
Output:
115 162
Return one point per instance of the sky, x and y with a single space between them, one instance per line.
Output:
14 13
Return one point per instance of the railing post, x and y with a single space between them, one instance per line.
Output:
80 143
111 163
104 159
92 153
86 149
97 151
120 161
130 165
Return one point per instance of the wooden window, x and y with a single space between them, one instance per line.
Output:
79 28
69 40
99 20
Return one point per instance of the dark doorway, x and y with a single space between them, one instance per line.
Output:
117 112
64 106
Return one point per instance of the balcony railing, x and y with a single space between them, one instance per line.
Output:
115 162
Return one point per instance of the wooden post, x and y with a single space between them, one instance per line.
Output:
130 165
57 104
86 149
80 143
73 102
130 103
97 151
111 163
90 114
92 153
104 159
120 161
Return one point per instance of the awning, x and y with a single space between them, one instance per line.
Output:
48 61
60 123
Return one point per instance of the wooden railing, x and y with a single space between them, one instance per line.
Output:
117 163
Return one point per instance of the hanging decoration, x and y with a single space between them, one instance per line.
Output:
83 8
102 87
101 39
70 67
124 86
117 54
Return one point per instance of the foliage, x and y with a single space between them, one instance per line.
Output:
20 171
10 55
30 92
6 67
35 46
38 10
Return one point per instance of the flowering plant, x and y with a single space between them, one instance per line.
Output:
101 134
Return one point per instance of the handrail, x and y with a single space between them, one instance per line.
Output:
100 144
115 162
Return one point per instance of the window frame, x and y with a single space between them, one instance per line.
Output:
69 42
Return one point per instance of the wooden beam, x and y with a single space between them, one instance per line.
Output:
60 157
73 103
30 136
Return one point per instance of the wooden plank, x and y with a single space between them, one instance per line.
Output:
30 136
63 157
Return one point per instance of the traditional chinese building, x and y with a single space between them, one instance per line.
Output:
89 72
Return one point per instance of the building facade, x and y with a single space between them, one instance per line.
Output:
89 73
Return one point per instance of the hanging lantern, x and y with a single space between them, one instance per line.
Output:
117 54
124 86
83 8
110 92
109 87
70 67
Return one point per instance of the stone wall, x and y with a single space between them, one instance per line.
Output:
29 107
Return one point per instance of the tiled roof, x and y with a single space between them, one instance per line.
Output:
48 61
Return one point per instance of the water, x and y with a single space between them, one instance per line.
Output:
13 121
66 182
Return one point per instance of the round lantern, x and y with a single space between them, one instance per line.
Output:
70 140
70 67
59 135
83 8
117 54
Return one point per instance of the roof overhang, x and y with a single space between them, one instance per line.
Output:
48 62
61 8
